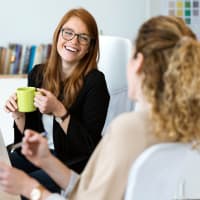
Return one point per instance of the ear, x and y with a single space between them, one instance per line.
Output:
138 61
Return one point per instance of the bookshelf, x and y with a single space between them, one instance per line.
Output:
18 59
15 76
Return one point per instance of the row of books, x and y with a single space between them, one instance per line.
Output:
20 59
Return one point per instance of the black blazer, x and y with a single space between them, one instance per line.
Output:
87 118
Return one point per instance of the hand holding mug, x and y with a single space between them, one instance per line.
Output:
11 104
47 102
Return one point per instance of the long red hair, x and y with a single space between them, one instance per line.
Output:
71 86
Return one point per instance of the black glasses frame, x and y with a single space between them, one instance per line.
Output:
83 38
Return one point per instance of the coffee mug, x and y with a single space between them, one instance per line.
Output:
25 99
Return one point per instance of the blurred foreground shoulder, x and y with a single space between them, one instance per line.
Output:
132 121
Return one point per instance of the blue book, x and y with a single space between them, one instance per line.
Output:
31 58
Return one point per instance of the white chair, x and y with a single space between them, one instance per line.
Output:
165 172
114 56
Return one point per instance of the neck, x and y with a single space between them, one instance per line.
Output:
68 69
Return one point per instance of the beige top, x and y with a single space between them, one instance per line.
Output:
105 176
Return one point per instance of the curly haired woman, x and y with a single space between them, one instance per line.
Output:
164 77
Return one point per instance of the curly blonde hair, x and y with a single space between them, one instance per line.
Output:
171 82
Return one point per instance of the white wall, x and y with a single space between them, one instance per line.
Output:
33 21
153 7
7 87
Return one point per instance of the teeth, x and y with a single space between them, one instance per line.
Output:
71 49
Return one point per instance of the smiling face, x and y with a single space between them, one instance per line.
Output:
71 51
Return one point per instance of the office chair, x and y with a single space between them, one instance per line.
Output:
165 172
114 56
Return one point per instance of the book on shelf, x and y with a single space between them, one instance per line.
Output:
16 50
24 61
20 59
47 52
2 59
31 57
7 60
38 54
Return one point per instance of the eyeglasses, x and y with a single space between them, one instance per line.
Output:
68 35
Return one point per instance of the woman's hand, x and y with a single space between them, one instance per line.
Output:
17 182
48 103
12 180
11 106
35 147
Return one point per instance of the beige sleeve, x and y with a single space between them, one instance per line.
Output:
72 182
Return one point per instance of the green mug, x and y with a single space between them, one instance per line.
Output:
25 99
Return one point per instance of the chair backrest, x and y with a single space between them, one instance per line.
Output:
114 56
165 172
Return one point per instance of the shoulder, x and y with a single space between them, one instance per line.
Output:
95 79
123 122
128 130
124 141
37 70
95 75
132 120
36 75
